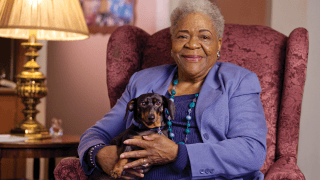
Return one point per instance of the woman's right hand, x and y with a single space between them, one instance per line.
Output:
107 157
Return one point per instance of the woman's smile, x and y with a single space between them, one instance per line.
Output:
192 58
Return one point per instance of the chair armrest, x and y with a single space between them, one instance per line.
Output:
285 168
69 168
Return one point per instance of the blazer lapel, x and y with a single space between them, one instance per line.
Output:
164 86
209 93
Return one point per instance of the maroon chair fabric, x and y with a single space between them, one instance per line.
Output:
279 61
69 169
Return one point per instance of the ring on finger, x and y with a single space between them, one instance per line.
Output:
145 165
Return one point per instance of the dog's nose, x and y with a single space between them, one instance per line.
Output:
151 117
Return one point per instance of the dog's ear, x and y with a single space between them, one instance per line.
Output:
167 103
130 107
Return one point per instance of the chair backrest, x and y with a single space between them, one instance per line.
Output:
279 62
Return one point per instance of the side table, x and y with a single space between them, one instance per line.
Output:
62 146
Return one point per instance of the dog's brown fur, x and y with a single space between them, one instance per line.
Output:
149 110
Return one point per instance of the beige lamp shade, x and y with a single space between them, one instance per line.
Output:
52 19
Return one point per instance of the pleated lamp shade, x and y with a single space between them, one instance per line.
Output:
52 19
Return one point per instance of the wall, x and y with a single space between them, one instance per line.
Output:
42 61
76 76
287 15
249 12
309 146
163 14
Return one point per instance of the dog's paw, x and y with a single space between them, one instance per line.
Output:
115 174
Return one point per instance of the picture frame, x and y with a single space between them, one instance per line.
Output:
104 16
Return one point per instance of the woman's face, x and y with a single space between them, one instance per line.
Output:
195 45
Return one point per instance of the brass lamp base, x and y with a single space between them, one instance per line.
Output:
31 87
32 129
44 134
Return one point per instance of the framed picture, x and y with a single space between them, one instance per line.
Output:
104 16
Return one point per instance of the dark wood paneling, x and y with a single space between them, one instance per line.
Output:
11 106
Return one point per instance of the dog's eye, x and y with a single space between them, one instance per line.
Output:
143 104
158 103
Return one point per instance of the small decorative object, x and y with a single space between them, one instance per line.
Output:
56 129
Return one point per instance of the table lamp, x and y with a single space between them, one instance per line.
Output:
57 20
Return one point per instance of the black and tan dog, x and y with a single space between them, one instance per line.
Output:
149 117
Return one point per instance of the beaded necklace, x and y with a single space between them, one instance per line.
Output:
188 117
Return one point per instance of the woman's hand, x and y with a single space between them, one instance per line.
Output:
157 149
107 157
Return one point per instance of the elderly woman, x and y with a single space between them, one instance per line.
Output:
219 131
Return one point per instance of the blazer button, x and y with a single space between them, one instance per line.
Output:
211 171
206 136
201 171
207 171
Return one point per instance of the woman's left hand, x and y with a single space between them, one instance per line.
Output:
157 149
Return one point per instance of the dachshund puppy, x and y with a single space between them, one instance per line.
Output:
149 116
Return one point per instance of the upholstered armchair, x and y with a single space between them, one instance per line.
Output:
279 61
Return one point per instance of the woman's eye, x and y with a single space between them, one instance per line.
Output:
205 37
182 37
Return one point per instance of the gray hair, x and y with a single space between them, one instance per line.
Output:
186 7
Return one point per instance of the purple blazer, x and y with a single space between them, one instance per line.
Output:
229 115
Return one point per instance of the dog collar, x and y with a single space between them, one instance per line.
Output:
137 124
142 126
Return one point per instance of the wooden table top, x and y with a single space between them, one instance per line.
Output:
63 146
55 142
